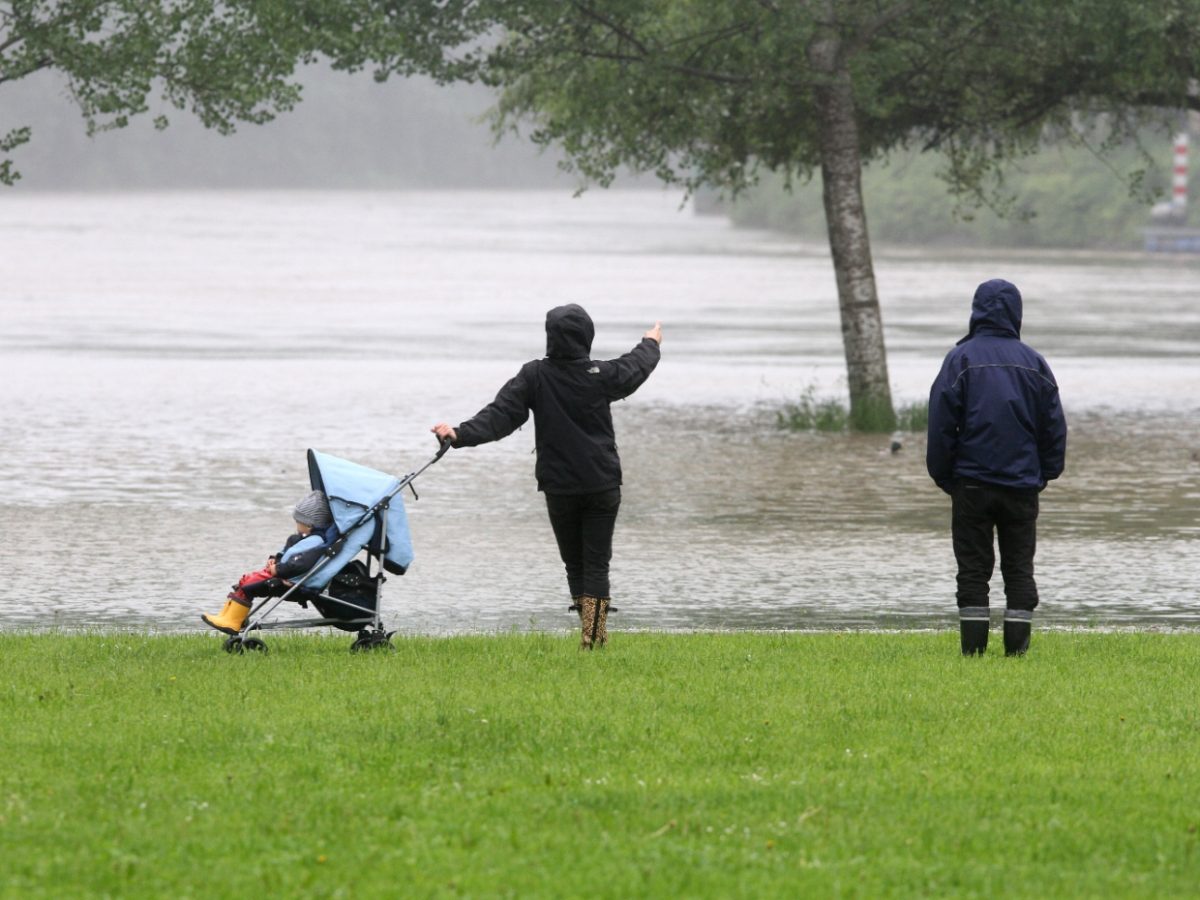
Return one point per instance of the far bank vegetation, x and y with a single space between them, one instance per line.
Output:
1062 197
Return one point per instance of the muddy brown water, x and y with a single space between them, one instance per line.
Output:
167 359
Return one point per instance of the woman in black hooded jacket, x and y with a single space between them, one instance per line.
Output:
578 468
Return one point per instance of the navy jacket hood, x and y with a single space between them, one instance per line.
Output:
996 309
994 411
569 332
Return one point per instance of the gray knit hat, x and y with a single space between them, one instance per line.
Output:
313 511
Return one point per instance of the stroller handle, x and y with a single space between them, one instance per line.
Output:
443 446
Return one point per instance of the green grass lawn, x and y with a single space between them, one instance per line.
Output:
733 765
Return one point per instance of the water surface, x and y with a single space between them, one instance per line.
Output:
168 358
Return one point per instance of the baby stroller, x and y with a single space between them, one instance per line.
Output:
341 586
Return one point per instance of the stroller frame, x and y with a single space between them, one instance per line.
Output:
371 635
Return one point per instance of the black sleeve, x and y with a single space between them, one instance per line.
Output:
504 415
627 373
298 564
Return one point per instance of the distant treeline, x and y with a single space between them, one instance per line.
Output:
1063 197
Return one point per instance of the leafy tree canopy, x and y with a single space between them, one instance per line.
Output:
708 91
226 62
698 91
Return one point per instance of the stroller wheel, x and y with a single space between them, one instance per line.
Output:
239 645
372 640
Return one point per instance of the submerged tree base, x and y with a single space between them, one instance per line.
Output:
830 414
686 765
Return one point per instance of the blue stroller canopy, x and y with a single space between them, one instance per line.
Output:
353 490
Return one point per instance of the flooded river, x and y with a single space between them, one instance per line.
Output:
168 358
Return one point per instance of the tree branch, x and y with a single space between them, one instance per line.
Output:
623 33
874 27
37 65
647 55
678 69
11 42
707 40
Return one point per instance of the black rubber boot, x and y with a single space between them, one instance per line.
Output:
973 637
1016 637
973 624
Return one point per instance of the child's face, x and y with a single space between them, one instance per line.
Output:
301 528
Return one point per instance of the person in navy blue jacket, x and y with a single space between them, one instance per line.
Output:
997 435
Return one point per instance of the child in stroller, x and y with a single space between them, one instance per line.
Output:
352 511
315 530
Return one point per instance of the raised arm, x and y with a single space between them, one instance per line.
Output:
627 373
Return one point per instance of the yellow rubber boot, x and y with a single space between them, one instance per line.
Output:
221 614
230 619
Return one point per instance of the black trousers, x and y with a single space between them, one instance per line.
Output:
583 526
982 512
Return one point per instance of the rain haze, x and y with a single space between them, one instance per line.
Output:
185 314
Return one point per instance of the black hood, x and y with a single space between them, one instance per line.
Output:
569 332
996 309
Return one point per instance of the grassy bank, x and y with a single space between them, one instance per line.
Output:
744 765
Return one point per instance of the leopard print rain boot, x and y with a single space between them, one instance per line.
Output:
602 622
589 613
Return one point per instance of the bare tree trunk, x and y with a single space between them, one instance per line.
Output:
846 220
